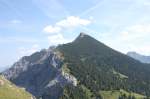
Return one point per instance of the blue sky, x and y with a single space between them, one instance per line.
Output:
27 26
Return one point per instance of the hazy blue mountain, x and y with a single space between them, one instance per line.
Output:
139 57
3 68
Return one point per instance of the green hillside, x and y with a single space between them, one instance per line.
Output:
10 91
81 92
115 94
98 67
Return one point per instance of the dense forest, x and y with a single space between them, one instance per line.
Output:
98 67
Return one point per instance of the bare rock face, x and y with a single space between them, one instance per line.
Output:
82 34
70 78
41 74
18 67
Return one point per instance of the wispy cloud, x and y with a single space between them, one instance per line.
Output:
89 10
57 39
10 4
52 8
52 29
11 23
19 40
23 51
15 21
135 32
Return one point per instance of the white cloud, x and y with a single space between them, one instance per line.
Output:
16 21
57 39
28 51
54 32
52 29
72 22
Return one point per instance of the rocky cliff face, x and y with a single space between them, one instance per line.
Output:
41 74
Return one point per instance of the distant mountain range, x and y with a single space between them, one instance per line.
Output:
139 57
82 69
3 68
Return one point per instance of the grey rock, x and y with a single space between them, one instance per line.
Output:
40 74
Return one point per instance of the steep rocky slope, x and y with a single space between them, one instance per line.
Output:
40 74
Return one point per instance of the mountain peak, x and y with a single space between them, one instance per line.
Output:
82 34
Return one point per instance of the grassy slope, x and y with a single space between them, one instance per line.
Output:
116 93
10 91
81 92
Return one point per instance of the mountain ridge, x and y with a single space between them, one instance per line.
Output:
83 66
